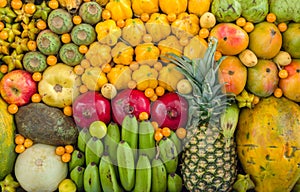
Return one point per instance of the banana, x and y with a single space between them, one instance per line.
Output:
93 150
91 178
77 159
168 154
174 182
146 139
159 176
143 174
77 176
129 132
111 141
177 141
126 165
108 177
228 120
83 137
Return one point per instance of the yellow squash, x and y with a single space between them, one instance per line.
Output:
122 53
119 76
186 25
145 77
173 6
268 143
119 9
133 31
146 53
108 32
144 6
198 7
158 26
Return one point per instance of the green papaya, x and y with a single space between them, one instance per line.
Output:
7 144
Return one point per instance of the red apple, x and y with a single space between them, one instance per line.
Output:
17 87
89 107
170 110
129 101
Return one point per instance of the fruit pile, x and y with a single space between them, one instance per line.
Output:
156 95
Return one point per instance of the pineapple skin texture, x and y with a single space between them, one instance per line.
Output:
268 143
207 164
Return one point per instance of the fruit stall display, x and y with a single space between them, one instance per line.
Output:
149 95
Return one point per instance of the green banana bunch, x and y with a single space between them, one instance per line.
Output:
245 99
129 132
91 178
29 30
7 14
126 165
174 182
42 11
168 154
143 174
12 30
111 140
83 137
108 177
146 139
77 159
159 176
9 184
13 61
177 141
93 150
243 183
77 176
20 45
228 120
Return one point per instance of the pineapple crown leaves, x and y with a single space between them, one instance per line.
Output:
207 102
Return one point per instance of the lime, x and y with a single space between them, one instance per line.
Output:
98 129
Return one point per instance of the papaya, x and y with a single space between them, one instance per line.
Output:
268 142
7 144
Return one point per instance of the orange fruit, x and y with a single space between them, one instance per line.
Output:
166 131
36 98
158 135
3 68
271 17
77 19
19 139
248 27
20 148
1 25
53 4
106 14
278 92
69 148
143 116
282 27
12 108
60 150
31 45
51 60
149 92
3 35
29 8
66 38
241 21
41 24
145 17
68 110
283 73
3 3
159 91
37 76
28 143
16 4
83 49
66 157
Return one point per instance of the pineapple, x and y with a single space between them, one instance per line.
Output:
209 160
